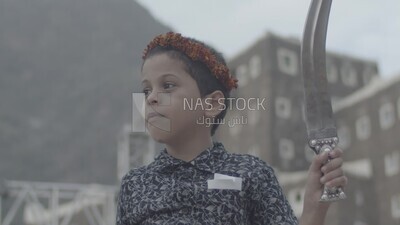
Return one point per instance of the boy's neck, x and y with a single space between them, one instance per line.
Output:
188 150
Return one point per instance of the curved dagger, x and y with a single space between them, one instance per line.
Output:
321 129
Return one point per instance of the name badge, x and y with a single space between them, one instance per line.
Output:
222 181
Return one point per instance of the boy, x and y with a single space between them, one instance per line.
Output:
181 185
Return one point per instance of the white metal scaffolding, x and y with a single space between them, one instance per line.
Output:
57 203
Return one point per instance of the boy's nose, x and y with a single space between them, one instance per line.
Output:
152 98
159 98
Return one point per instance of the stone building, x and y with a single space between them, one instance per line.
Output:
270 70
369 127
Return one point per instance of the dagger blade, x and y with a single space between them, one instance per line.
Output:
318 109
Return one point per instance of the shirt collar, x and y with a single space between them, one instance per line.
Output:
207 160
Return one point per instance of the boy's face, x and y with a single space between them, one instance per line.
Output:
166 84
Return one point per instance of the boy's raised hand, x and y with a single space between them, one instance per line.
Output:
320 174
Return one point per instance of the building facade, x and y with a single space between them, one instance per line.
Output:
270 70
369 126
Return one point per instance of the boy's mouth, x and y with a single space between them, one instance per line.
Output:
153 114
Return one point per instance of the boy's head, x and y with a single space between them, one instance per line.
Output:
204 64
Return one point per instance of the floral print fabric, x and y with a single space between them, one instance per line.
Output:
172 191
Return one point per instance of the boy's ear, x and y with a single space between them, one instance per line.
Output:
215 103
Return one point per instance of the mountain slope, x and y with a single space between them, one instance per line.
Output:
67 71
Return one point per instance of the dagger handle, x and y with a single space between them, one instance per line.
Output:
326 145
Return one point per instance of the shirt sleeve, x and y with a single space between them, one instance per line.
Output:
268 203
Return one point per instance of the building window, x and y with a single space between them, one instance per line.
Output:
254 150
349 75
395 206
286 149
344 137
392 162
332 72
241 73
386 116
288 61
283 107
255 66
363 128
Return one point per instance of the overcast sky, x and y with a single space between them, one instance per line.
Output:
368 29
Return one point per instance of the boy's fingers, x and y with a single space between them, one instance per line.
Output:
337 182
331 176
321 159
332 165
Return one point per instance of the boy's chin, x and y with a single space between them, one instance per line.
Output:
159 135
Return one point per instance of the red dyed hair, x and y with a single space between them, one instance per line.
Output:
196 52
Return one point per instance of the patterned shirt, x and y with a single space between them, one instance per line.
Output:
172 191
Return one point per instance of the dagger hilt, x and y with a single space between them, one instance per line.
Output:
327 145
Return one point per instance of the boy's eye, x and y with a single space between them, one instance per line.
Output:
168 85
146 92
